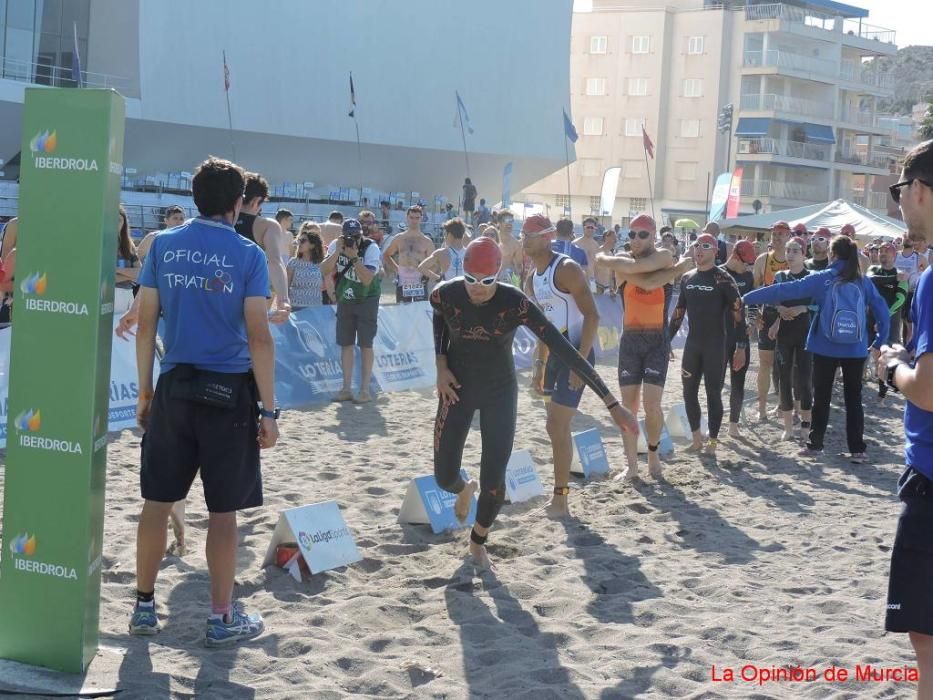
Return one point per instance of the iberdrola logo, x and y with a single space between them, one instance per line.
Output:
34 284
24 544
43 142
29 421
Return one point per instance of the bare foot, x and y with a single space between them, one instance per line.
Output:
558 507
654 465
465 501
734 430
711 446
343 395
762 415
363 397
787 435
630 473
480 557
695 447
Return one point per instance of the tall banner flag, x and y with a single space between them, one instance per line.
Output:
463 118
607 197
53 501
717 206
570 131
735 194
226 74
647 142
507 185
352 113
76 60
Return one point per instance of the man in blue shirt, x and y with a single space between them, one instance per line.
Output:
910 371
210 286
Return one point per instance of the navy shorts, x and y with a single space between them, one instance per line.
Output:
910 605
643 358
557 382
183 437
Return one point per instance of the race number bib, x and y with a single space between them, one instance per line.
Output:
412 291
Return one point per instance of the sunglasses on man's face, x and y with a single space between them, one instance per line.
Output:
485 281
820 239
505 222
643 235
704 246
896 188
589 225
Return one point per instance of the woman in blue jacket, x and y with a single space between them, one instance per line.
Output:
837 338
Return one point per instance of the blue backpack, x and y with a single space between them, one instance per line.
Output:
842 317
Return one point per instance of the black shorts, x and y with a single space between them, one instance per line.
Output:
768 316
643 358
357 322
183 436
910 602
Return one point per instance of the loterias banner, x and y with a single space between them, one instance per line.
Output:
72 146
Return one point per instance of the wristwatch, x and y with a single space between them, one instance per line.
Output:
892 373
266 413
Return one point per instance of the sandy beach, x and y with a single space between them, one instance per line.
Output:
751 559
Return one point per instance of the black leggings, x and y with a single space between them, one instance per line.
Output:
796 373
736 384
824 376
704 359
497 412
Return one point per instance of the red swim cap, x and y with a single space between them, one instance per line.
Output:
482 258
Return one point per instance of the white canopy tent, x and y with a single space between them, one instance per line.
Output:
832 215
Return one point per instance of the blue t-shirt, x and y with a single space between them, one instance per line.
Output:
918 424
204 270
573 251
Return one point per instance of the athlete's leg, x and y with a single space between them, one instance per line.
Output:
451 427
784 359
713 377
765 367
691 368
736 390
630 397
654 422
631 375
804 363
558 429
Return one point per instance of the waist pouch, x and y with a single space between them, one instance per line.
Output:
217 389
913 484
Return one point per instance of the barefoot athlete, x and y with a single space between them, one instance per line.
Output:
475 319
560 288
711 299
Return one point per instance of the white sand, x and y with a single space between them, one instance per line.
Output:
751 558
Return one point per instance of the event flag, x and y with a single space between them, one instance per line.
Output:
646 140
76 61
463 118
569 129
226 74
352 112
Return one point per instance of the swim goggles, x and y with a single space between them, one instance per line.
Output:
485 281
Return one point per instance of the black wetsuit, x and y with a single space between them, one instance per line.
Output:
815 265
477 340
794 363
707 296
244 225
744 282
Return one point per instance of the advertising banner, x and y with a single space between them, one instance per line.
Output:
717 207
735 194
59 379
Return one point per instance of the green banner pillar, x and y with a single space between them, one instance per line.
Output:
53 502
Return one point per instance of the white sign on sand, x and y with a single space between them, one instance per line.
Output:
323 538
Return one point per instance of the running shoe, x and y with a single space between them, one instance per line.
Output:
144 621
240 628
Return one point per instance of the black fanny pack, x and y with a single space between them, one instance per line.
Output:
913 484
217 389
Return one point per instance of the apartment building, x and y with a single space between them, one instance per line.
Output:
799 74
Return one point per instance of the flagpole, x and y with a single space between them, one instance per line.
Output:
359 155
229 114
648 172
466 156
567 157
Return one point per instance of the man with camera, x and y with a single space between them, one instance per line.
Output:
355 260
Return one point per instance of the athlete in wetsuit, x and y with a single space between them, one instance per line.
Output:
475 319
708 295
743 255
766 267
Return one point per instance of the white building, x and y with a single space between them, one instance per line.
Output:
289 63
799 74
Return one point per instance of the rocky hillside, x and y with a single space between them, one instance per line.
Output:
912 69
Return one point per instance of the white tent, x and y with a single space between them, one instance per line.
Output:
832 215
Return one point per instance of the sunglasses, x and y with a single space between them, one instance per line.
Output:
505 221
895 189
589 225
704 246
485 281
643 235
820 239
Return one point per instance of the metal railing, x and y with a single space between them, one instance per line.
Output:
857 73
879 120
773 58
869 160
782 103
819 20
785 190
853 27
57 76
874 200
779 147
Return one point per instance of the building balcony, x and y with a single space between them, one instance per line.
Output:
865 77
827 71
851 30
874 200
779 147
56 76
786 191
791 105
867 160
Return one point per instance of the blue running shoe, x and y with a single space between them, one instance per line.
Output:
239 629
144 620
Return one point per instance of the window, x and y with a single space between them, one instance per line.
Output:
596 86
562 200
591 167
637 86
633 127
593 126
695 45
638 204
693 87
598 44
640 44
594 203
689 128
686 171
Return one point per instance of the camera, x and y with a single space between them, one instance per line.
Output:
350 240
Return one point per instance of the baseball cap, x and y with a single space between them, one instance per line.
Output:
800 229
780 224
483 257
847 230
823 231
643 222
352 227
538 223
800 241
746 252
712 228
706 238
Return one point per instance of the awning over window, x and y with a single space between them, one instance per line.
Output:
819 133
752 126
